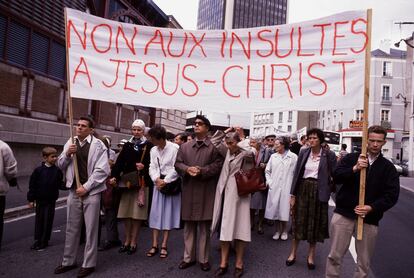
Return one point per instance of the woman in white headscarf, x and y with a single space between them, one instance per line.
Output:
131 171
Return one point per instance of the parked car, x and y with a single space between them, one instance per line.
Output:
397 167
404 166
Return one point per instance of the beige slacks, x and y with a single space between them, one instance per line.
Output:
342 229
190 238
88 208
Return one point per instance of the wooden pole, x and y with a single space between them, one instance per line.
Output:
363 172
70 109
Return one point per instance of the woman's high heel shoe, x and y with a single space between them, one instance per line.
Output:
290 262
311 266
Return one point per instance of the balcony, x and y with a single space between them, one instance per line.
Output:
386 101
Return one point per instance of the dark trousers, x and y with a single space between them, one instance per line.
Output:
111 220
2 208
45 213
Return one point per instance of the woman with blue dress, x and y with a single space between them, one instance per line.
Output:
165 209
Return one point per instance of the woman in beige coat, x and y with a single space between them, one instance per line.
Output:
231 214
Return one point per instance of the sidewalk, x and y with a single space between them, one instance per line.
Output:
407 183
16 199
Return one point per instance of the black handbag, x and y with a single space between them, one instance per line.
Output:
171 188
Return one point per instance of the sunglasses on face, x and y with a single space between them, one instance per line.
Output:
197 123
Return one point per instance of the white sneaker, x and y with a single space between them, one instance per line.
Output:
276 236
284 236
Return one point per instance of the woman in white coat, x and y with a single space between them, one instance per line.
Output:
279 176
231 214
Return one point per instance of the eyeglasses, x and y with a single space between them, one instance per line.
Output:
198 123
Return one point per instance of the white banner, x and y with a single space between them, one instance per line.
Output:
312 65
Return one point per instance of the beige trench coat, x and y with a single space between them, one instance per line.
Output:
232 211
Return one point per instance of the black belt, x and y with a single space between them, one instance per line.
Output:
310 179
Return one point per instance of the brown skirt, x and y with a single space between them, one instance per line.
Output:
310 220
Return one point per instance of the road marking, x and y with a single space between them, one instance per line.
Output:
407 188
27 216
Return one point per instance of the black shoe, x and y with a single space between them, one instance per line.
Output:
85 271
123 249
290 262
221 271
205 266
184 265
35 245
238 272
108 245
64 268
40 247
311 266
132 250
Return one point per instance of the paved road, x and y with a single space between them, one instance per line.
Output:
265 257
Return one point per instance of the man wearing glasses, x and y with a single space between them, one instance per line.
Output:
199 163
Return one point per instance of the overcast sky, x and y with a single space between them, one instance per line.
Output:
385 14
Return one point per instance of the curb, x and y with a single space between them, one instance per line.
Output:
23 210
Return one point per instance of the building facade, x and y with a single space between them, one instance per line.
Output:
388 106
33 89
244 13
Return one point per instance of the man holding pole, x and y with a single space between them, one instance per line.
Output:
381 193
84 198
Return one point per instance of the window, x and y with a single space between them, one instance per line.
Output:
18 44
290 116
279 127
359 115
289 129
386 92
280 117
387 69
385 115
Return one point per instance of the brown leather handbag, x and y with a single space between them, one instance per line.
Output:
249 181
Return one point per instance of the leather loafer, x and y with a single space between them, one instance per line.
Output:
64 268
290 262
205 266
85 271
238 272
221 271
184 265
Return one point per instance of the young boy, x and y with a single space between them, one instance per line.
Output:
44 185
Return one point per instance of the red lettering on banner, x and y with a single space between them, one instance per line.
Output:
299 52
130 45
322 26
71 26
259 36
223 81
343 73
127 74
163 81
363 33
300 79
336 36
197 43
249 79
317 78
109 41
156 39
285 79
182 48
246 49
190 80
153 77
277 44
116 73
86 71
223 43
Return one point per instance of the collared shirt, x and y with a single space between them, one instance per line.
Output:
162 162
312 165
371 159
48 165
83 142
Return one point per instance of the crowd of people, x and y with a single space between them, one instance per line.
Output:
188 182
